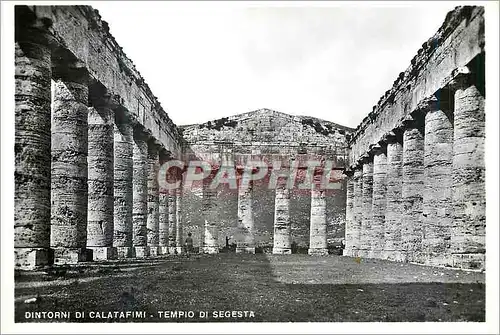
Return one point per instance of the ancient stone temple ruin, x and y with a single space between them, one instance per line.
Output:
91 143
416 189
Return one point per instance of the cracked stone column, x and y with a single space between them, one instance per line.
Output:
394 210
377 233
438 161
357 211
350 232
172 222
282 242
123 186
246 241
69 188
367 204
178 214
140 194
163 210
100 180
153 217
317 234
469 197
210 236
32 147
412 191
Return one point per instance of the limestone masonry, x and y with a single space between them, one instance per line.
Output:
90 140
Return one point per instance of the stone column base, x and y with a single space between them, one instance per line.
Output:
72 255
31 258
125 252
435 259
394 255
282 251
245 250
154 251
363 253
141 252
163 250
318 251
377 254
210 250
469 261
172 250
104 253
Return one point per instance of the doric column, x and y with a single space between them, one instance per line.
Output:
367 203
210 229
357 211
245 242
349 215
32 146
69 188
172 221
436 203
412 190
179 243
317 233
153 219
377 232
100 180
469 197
140 194
163 210
282 242
123 185
394 210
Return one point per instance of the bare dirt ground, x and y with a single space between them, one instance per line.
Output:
275 288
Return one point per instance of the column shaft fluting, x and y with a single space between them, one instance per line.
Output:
282 242
394 210
367 214
210 229
69 188
412 191
153 219
123 188
317 234
179 243
379 206
437 205
349 218
163 212
140 194
469 194
357 211
172 221
32 149
100 183
245 242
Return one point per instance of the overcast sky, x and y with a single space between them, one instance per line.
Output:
213 60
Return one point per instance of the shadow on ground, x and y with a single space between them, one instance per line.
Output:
275 288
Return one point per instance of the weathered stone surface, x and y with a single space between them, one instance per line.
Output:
210 231
179 242
123 187
100 181
245 240
318 242
69 188
377 233
282 241
163 210
357 211
153 219
349 218
140 194
367 214
32 148
394 209
172 222
469 197
412 191
437 205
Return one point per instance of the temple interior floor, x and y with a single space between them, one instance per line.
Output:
277 288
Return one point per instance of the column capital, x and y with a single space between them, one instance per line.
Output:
459 78
378 149
349 172
365 158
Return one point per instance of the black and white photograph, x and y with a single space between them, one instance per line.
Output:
247 167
